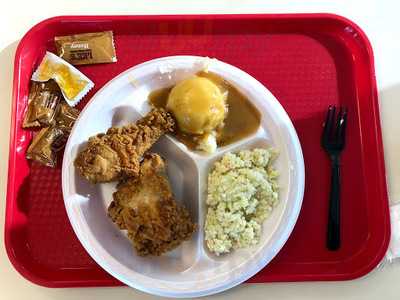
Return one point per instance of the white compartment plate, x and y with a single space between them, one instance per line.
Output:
190 270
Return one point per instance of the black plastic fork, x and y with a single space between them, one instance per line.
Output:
333 141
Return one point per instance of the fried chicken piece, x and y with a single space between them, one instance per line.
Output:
146 208
116 154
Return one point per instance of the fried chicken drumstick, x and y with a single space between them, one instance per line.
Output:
116 154
145 206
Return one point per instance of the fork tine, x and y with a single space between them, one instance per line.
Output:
341 130
328 125
338 129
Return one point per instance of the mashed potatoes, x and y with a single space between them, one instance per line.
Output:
242 191
198 105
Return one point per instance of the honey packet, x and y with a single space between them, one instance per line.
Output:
41 149
74 84
87 48
42 103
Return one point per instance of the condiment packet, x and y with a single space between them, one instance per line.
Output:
41 149
74 85
66 116
87 48
52 139
42 102
65 119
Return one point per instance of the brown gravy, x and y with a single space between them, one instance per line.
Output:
242 120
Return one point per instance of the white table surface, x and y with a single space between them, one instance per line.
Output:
379 19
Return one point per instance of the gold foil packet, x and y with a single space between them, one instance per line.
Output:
65 119
41 149
66 116
42 102
74 84
87 48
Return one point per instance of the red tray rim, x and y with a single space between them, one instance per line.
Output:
31 276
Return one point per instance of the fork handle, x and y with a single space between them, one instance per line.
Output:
333 238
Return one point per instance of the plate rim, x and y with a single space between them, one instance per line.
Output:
293 214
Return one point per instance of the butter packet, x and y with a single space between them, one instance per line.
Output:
74 84
87 48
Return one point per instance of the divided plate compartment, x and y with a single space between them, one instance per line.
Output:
191 269
308 61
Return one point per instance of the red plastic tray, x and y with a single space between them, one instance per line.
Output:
307 61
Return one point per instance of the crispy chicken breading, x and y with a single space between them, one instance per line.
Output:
116 154
145 207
